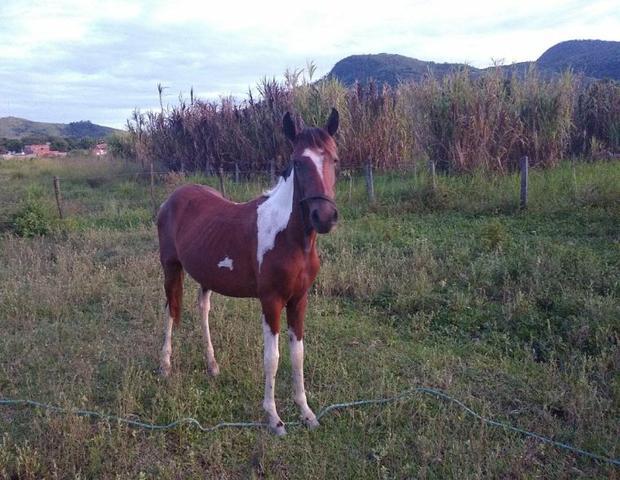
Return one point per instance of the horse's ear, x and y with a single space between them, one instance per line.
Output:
332 122
288 125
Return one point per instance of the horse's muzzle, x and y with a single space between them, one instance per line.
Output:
323 216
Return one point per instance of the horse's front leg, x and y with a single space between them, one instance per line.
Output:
271 333
295 313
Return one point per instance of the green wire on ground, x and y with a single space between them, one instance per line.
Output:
324 411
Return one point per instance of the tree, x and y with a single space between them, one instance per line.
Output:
59 144
13 144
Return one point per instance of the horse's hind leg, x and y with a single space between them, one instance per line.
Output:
204 305
173 285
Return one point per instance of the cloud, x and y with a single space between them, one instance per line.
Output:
68 60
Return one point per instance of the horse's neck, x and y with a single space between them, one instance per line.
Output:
281 215
301 234
297 232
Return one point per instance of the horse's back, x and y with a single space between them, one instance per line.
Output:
190 194
188 201
181 209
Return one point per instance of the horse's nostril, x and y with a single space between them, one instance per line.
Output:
315 216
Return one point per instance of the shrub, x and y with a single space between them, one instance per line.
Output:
32 219
494 235
121 146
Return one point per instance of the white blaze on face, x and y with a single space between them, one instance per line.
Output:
316 158
273 215
226 263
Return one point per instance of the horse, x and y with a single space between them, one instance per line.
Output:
264 248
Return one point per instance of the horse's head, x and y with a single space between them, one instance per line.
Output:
314 160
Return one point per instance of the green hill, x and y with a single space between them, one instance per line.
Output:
17 128
593 58
387 68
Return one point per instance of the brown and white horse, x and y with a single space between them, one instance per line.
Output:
265 249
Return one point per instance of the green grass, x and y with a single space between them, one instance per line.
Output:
514 313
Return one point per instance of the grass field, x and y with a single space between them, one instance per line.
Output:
514 313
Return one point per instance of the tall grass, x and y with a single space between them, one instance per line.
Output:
461 122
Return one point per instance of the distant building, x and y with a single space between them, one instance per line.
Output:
39 150
42 150
100 149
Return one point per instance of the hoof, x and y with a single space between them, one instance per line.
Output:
164 371
310 422
278 429
213 370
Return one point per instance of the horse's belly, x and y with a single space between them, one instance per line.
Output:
226 278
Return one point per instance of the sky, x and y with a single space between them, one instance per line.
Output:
70 60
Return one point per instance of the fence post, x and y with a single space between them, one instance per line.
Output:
574 179
431 165
370 186
523 164
220 174
152 188
350 173
236 172
272 170
57 195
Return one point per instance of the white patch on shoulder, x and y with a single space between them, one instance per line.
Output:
273 214
226 263
316 158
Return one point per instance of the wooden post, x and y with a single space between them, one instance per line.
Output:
221 176
370 186
236 172
523 164
350 173
272 170
57 194
574 180
209 166
431 165
153 205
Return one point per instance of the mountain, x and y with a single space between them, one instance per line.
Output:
13 127
388 68
593 58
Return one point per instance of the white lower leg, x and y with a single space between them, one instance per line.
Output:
166 350
204 304
270 359
297 363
